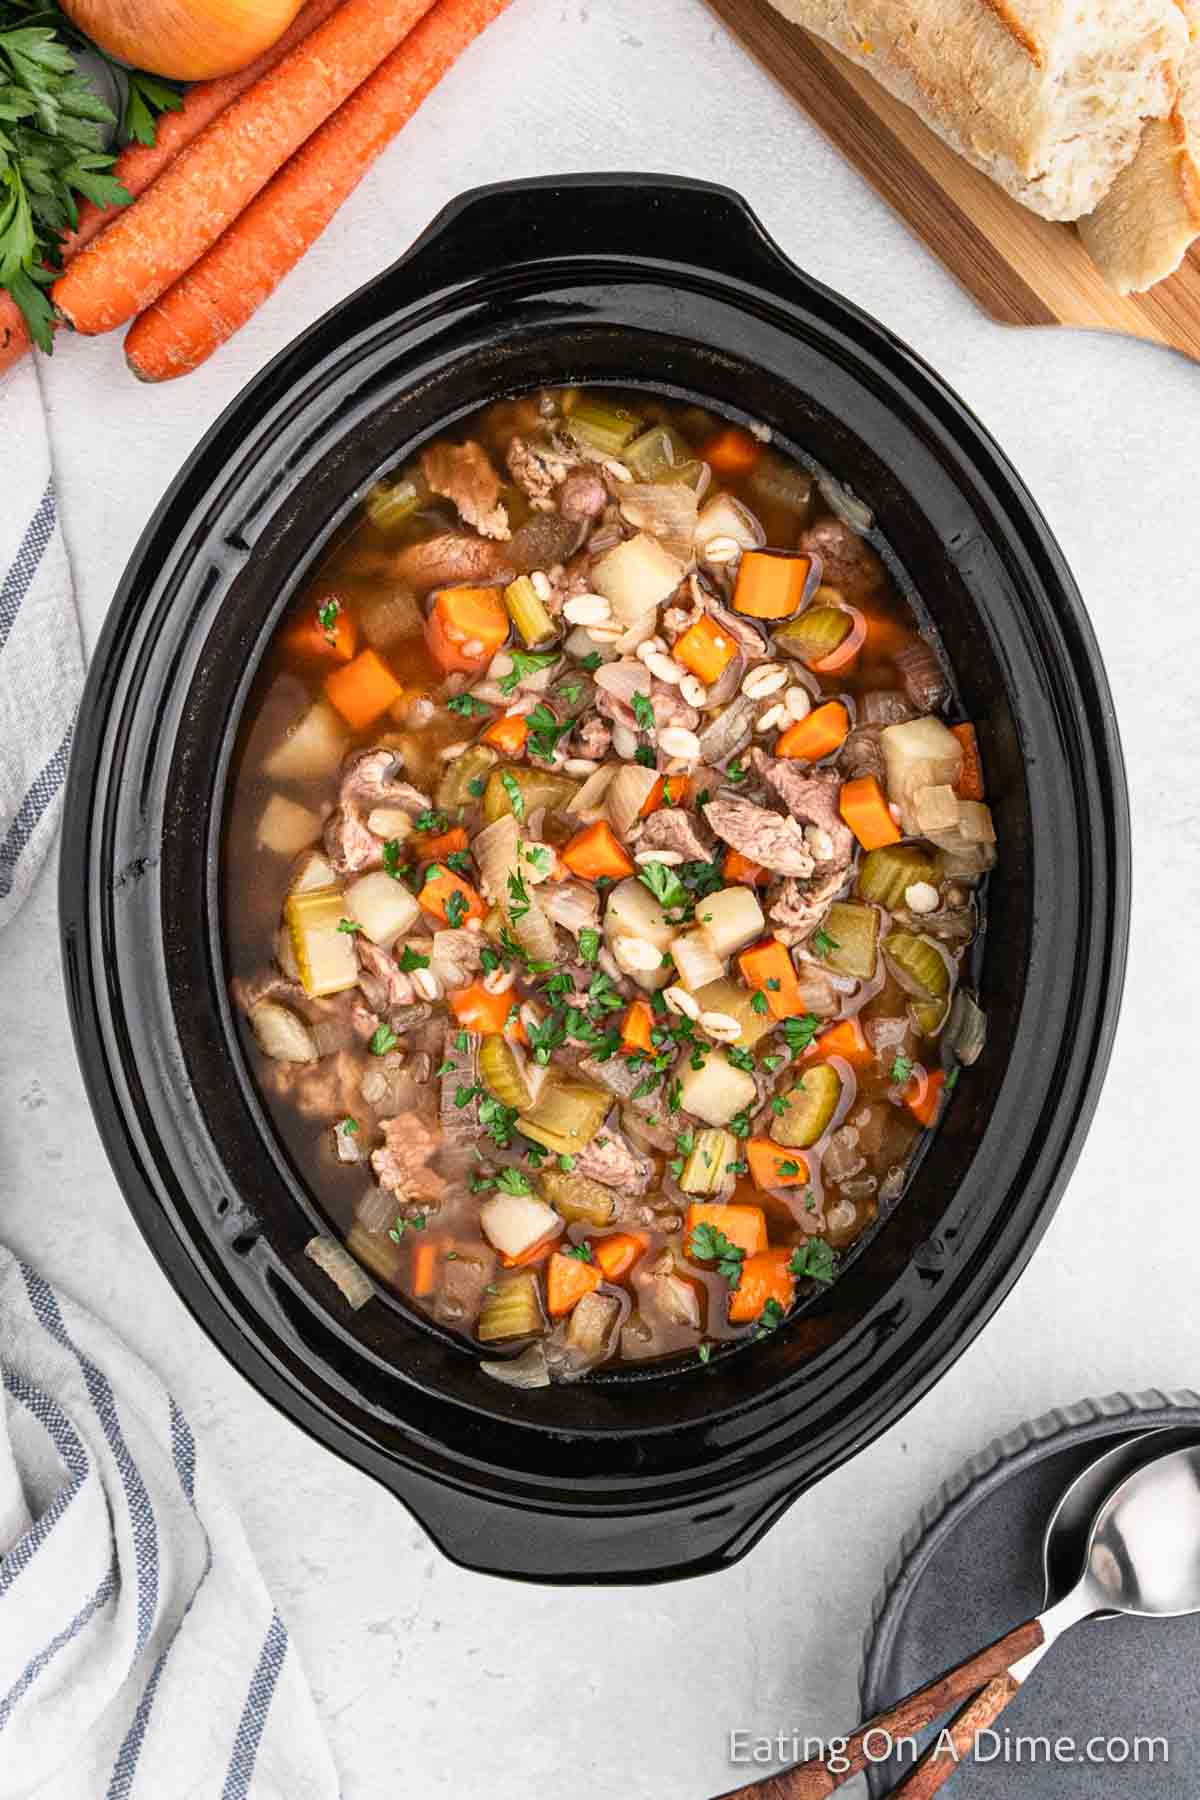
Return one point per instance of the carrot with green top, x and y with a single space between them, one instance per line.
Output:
216 296
668 790
212 182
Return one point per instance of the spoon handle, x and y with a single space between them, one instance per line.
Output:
941 1760
814 1780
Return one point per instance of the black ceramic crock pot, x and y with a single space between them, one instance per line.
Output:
671 285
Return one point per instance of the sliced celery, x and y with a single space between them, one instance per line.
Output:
705 1169
538 787
657 455
606 429
513 1309
885 876
567 1116
325 955
808 1108
817 632
920 964
528 614
473 766
391 504
502 1074
848 939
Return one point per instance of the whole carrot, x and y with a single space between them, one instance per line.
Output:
231 281
138 164
214 179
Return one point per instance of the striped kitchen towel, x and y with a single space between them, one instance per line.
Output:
140 1655
41 663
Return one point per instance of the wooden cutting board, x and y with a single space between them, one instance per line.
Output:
1022 270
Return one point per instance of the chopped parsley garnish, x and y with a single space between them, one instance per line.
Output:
704 1352
590 662
769 1319
514 1181
708 1244
602 996
446 1068
581 1252
643 712
545 1038
701 878
430 823
526 663
459 862
789 1167
779 1106
411 959
800 1032
545 731
589 945
349 926
952 1079
467 706
739 1125
538 857
476 786
570 691
566 1164
518 895
516 798
456 909
759 1002
902 1070
813 1261
665 885
416 1223
349 1127
736 771
327 618
645 756
741 1059
383 1039
462 1042
822 943
497 1120
393 859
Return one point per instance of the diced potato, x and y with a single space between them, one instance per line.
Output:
286 827
731 997
311 750
384 908
281 1034
636 577
514 1223
698 963
730 919
389 822
919 753
312 872
975 823
936 809
325 955
632 911
717 1092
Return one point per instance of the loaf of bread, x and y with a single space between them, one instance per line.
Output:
1049 97
1144 226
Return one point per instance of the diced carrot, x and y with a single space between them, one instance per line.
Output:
568 1279
636 1028
744 1226
767 1160
768 967
820 734
595 853
845 1039
614 1256
969 785
923 1095
706 649
732 452
439 847
507 734
764 1277
771 583
324 630
864 807
668 790
739 868
422 1269
440 884
362 690
479 1010
466 628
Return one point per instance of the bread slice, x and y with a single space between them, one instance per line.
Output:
1144 226
1048 97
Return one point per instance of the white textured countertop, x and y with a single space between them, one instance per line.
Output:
436 1682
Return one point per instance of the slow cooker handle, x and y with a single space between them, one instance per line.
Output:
639 220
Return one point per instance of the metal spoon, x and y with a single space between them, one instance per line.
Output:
993 1677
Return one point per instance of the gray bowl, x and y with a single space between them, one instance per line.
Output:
971 1568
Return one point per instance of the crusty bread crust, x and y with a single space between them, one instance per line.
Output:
1150 217
1047 102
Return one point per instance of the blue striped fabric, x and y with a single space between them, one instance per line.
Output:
41 792
20 576
129 1585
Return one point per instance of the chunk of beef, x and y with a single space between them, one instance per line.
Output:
450 558
462 1284
460 1124
811 798
729 732
610 1158
848 563
350 847
799 905
543 542
924 679
324 1090
670 828
464 474
534 469
455 956
593 738
583 495
372 778
764 837
402 1163
621 1075
861 754
384 984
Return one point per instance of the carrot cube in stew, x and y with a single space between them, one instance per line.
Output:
768 967
477 1009
668 790
824 730
765 1277
847 1040
771 583
636 1028
449 898
506 734
568 1279
864 807
732 452
773 1165
740 871
363 690
923 1095
596 853
614 1256
438 847
706 649
744 1226
466 628
969 785
325 630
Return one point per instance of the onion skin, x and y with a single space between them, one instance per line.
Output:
186 40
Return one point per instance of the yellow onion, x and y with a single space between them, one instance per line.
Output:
188 40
